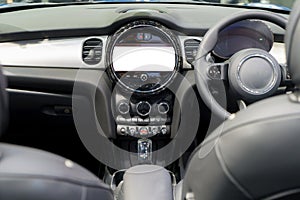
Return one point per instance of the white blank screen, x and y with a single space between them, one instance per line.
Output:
137 58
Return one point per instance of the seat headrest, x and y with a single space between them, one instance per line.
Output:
292 41
3 103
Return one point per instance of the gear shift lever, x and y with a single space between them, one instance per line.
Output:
145 151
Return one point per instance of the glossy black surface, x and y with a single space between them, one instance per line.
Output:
243 35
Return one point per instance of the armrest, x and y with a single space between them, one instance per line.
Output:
147 182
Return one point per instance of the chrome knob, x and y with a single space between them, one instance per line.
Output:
143 108
123 107
163 108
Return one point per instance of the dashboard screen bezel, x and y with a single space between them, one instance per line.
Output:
112 40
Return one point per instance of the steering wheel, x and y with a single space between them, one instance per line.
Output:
242 66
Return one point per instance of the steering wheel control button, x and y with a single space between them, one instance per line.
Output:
143 108
163 108
123 108
144 77
214 72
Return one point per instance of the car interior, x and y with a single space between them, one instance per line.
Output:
152 100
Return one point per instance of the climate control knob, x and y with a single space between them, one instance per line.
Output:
143 108
123 107
163 108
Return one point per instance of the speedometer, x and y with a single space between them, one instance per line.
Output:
243 35
143 56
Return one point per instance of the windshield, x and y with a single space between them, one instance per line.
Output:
285 5
272 4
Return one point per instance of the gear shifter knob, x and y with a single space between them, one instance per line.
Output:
145 151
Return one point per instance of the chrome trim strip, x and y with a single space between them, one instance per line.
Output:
62 53
36 93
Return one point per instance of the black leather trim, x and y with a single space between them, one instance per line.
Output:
283 194
3 103
31 174
256 153
292 47
50 178
27 173
229 175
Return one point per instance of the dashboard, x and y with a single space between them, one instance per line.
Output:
143 51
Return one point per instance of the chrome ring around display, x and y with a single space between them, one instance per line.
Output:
143 23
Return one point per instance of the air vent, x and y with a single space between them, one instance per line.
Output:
191 48
92 51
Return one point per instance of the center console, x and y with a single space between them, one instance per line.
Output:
143 59
144 116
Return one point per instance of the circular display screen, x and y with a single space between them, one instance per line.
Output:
143 56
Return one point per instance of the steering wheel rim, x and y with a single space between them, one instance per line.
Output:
201 64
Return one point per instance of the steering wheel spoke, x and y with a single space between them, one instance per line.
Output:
218 71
